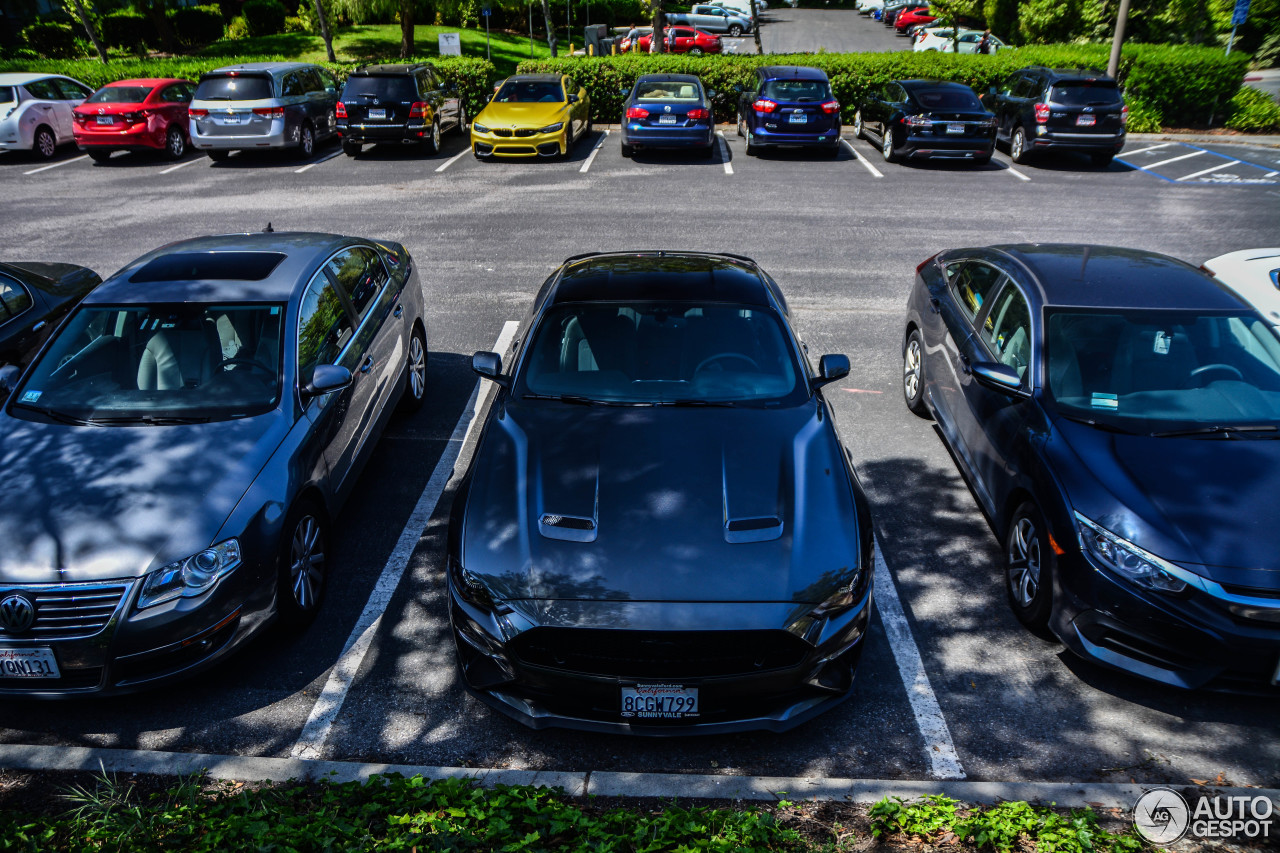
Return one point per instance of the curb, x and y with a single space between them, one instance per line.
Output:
1269 141
595 783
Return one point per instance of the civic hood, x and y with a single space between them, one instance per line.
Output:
97 503
522 115
660 504
1208 503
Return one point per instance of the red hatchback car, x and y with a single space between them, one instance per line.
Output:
910 18
135 115
685 40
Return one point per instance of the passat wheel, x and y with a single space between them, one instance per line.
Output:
302 568
1028 568
913 374
415 379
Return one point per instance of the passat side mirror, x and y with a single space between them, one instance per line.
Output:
326 378
831 368
999 377
489 365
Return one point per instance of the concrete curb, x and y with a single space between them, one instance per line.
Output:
597 783
1268 141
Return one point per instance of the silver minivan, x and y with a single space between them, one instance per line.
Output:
263 105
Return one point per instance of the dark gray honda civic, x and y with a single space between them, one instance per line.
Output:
661 532
175 454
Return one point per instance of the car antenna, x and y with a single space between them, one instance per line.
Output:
268 229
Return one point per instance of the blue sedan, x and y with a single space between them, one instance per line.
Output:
668 111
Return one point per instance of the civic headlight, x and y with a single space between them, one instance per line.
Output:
552 128
191 576
1126 559
479 128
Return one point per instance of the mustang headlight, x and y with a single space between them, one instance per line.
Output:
845 596
469 587
551 128
1126 559
191 576
479 128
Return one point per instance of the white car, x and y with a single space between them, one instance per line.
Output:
939 39
1254 274
35 111
866 7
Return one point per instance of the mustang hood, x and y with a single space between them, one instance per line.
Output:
522 115
98 503
660 504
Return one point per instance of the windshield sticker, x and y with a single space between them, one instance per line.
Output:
1105 401
1161 346
31 396
275 311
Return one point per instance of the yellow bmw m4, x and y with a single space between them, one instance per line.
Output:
532 115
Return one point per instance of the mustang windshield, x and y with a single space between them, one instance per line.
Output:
1162 371
158 363
661 352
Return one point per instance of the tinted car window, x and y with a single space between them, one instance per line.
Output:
292 85
1007 330
238 88
71 91
1081 94
324 328
797 90
668 90
176 94
359 273
14 296
529 91
398 88
8 94
120 95
44 90
327 80
974 285
947 99
1026 88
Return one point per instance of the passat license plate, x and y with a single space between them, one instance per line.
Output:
666 119
1086 120
659 701
955 128
799 118
28 663
378 113
106 119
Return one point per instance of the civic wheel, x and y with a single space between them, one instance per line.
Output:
306 141
415 379
1028 567
886 146
175 144
303 566
44 144
857 125
1018 146
735 30
99 155
433 141
913 374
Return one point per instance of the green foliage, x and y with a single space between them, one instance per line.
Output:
264 17
1252 109
57 41
197 25
1188 86
127 30
1002 18
293 24
1143 118
311 21
237 28
1048 21
923 818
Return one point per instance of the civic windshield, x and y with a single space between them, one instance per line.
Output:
1157 371
529 92
238 88
661 352
120 95
158 363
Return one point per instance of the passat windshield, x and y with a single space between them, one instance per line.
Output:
159 363
661 352
1164 371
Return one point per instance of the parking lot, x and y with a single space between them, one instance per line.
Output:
950 684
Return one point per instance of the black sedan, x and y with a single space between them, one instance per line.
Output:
176 455
34 297
661 532
1117 416
924 119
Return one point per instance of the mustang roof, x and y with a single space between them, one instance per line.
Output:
661 277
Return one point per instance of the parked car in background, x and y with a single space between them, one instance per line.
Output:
34 297
1254 274
624 42
941 39
789 105
866 7
919 16
660 532
685 40
711 19
740 7
35 111
893 8
147 114
261 105
1117 415
401 104
668 111
1059 109
926 119
532 115
176 456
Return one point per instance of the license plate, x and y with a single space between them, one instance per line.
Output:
1086 120
231 119
106 120
955 128
659 702
378 113
799 118
666 119
28 663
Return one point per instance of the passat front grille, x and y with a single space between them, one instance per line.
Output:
67 611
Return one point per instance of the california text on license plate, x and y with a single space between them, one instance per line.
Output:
955 128
28 663
106 120
1086 120
666 119
659 701
377 113
799 118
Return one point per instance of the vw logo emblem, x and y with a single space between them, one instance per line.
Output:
667 108
17 614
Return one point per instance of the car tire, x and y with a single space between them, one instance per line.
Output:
741 134
175 144
99 155
1101 160
833 151
695 51
351 149
302 567
735 30
43 143
886 146
913 374
1018 146
752 150
218 156
1028 569
431 143
858 130
463 124
415 377
306 142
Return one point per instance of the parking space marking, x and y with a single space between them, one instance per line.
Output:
594 151
1176 159
863 160
182 165
1148 148
319 724
1208 170
944 763
1008 167
317 162
1271 174
56 165
455 158
724 151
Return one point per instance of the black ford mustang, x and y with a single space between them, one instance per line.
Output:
660 532
34 297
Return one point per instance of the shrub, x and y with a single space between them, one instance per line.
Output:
1143 118
1252 109
311 21
264 17
196 26
238 28
56 41
293 24
127 30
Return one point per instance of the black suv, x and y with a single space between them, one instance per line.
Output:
411 104
1040 109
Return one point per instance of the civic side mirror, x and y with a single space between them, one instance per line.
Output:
999 377
326 378
831 368
9 374
489 365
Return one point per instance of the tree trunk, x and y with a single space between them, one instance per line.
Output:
657 41
755 26
551 28
88 28
406 29
324 31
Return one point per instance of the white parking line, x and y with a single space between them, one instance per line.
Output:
317 162
1148 148
319 724
863 160
1174 160
183 165
1271 174
1210 169
1008 167
56 165
941 752
455 158
594 151
724 150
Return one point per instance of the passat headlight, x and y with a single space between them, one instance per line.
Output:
479 128
191 576
1126 559
552 128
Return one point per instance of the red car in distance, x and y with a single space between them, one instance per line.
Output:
685 40
911 17
135 115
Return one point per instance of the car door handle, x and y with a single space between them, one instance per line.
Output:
38 326
399 312
368 365
965 366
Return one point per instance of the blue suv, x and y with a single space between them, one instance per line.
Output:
789 105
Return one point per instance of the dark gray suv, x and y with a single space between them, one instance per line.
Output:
1056 109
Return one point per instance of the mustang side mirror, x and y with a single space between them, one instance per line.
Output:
9 374
830 368
326 378
999 377
489 365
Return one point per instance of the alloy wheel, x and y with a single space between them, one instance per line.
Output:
911 369
45 143
175 145
306 563
1016 145
1024 562
417 368
857 124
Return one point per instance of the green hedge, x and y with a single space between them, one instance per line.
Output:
197 26
1252 109
1180 85
265 17
50 39
128 30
